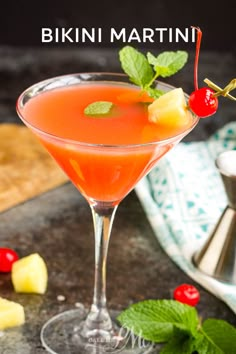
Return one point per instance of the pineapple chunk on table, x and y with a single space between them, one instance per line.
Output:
29 275
11 314
170 109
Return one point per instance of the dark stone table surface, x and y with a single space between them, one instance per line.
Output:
58 224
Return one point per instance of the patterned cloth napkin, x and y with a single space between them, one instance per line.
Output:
183 198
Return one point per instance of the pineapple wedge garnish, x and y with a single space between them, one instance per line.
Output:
170 109
29 275
11 314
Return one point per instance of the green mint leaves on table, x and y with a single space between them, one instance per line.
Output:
99 109
144 70
179 328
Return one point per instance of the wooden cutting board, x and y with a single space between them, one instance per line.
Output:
26 168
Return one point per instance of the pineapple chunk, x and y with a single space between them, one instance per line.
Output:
29 275
170 109
11 314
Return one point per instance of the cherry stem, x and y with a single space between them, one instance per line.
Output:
198 44
222 92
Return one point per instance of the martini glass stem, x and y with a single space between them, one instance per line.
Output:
98 322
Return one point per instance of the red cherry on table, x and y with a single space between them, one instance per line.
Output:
187 294
203 102
7 258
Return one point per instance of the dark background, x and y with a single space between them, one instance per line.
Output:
38 224
21 21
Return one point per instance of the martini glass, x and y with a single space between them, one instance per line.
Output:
104 174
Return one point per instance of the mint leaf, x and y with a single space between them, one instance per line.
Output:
222 334
136 66
99 108
177 346
155 93
178 324
215 337
155 320
168 63
140 71
199 344
180 343
202 345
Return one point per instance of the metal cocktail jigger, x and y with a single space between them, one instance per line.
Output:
217 258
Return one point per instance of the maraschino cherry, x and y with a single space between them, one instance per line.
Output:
204 102
7 258
187 294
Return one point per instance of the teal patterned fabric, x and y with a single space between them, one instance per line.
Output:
183 197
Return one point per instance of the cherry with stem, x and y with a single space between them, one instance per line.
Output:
204 101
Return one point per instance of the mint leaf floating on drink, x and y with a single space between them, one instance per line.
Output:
99 109
178 327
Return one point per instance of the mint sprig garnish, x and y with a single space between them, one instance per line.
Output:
99 109
136 66
168 63
179 328
144 70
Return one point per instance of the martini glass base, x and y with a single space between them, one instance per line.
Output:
62 335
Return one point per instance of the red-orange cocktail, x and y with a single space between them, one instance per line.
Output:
104 156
